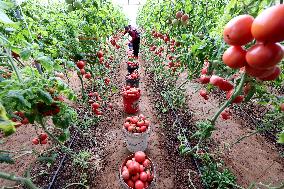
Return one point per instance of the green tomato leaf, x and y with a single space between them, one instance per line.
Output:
281 137
25 54
46 62
4 18
6 158
45 96
16 95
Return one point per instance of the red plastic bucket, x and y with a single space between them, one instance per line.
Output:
131 101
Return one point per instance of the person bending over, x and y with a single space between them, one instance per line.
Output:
135 39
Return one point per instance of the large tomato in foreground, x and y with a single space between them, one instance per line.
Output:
273 76
235 57
263 56
259 73
269 25
238 30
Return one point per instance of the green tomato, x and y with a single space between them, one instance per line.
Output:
175 22
78 5
69 1
70 8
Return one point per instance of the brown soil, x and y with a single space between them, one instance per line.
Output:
254 159
21 140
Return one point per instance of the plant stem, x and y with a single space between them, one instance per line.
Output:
237 91
25 181
82 85
14 66
68 150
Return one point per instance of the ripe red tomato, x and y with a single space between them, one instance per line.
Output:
263 56
204 71
125 174
204 79
268 26
128 163
140 156
146 163
130 183
235 57
203 93
143 129
130 128
238 30
282 107
80 64
216 80
25 121
259 73
273 76
100 54
35 141
43 136
184 18
139 184
225 85
237 100
134 119
88 75
126 125
143 176
82 71
135 177
43 141
95 105
225 115
142 168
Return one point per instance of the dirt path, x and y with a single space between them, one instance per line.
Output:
115 146
253 159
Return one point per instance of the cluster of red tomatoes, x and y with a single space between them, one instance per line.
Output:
223 85
182 17
94 97
41 139
132 64
164 37
260 59
81 64
21 119
136 124
137 172
133 76
48 110
113 41
131 92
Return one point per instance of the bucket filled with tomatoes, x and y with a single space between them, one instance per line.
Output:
136 130
137 172
132 79
131 96
132 66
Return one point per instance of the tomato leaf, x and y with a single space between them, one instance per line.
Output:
6 158
46 62
281 137
18 96
25 54
45 96
4 18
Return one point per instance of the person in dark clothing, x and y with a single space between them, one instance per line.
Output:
135 39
